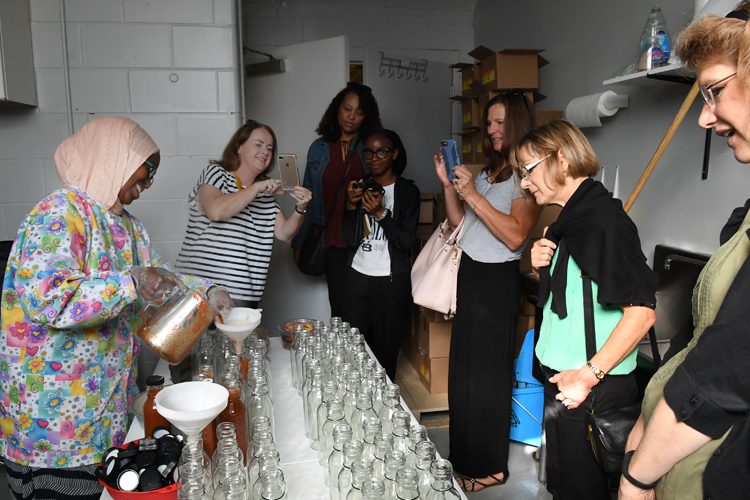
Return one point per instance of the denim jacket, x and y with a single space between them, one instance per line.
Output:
317 160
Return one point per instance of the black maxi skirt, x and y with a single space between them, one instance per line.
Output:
480 377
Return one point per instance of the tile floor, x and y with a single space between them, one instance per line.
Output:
523 483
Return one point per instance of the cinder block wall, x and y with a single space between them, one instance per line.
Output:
170 65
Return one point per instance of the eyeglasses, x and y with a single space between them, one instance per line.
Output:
516 93
707 92
151 166
380 153
525 171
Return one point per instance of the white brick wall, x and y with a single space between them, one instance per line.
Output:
121 55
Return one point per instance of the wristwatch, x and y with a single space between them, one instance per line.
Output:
598 372
385 212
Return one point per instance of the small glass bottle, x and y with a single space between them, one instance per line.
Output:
193 491
383 444
310 366
223 430
362 412
193 454
394 462
235 412
406 484
361 472
373 489
321 414
262 441
379 381
371 428
314 398
272 484
442 482
234 488
259 402
425 452
350 398
305 346
293 348
391 404
352 453
192 474
417 434
151 417
267 460
335 461
400 423
229 466
334 416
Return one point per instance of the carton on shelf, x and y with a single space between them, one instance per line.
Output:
432 316
433 373
441 213
510 68
435 338
427 208
549 215
468 147
470 114
469 73
525 265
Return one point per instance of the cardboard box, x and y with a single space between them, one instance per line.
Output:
435 338
549 215
467 148
510 68
470 114
469 73
432 316
525 265
543 117
433 373
525 323
427 208
441 212
527 307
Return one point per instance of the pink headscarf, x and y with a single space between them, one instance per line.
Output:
102 156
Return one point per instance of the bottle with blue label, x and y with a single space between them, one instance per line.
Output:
652 55
656 26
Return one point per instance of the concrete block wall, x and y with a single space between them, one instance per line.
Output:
437 30
170 65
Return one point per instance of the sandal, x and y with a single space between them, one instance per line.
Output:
474 481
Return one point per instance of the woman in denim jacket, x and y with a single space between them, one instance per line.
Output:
351 116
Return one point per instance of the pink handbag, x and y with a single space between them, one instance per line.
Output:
434 275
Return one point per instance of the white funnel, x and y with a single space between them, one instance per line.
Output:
239 323
190 406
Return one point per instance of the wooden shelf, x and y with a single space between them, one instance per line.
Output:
670 73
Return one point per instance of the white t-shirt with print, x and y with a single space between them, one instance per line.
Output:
372 257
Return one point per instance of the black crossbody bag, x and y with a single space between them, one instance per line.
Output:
608 431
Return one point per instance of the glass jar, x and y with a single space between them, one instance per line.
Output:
235 412
394 462
406 484
383 444
352 453
442 482
425 452
391 404
151 417
335 461
361 472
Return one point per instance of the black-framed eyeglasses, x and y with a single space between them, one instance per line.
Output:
525 171
151 166
709 97
381 153
517 93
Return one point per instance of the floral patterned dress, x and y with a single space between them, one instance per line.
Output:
67 345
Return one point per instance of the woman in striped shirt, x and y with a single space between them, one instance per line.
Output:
234 216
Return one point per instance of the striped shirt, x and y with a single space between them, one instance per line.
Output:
235 252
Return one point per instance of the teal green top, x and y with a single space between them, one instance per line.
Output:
562 342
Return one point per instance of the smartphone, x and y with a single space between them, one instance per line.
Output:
450 156
288 171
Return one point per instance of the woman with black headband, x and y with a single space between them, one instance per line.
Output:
498 221
693 437
332 161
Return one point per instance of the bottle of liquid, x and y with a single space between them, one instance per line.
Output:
151 417
651 55
235 412
656 25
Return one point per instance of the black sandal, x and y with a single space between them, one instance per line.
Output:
474 481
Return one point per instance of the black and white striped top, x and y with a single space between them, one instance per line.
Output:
236 252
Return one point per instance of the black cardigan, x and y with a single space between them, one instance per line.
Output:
400 227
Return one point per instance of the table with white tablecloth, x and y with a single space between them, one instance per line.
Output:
299 462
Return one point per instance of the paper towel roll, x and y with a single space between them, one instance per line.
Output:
585 111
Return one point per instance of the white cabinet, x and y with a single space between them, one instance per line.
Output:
17 82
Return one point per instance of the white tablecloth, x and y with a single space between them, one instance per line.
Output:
299 462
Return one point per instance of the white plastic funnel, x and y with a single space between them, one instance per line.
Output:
239 323
190 406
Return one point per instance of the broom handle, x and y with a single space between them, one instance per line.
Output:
663 145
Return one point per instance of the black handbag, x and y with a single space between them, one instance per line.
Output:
312 253
608 431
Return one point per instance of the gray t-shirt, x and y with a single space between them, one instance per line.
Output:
478 241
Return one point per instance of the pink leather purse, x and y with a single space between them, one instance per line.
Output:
434 275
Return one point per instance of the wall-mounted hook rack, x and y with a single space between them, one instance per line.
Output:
409 70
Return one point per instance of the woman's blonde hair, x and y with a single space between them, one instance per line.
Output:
717 39
563 136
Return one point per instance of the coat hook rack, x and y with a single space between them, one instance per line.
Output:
409 70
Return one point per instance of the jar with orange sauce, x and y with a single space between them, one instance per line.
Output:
235 412
151 417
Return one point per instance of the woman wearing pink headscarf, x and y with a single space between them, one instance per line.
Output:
67 350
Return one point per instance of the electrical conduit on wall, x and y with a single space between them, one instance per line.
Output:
66 67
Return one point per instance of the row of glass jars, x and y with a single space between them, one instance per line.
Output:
354 419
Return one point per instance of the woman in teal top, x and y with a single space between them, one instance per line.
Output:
593 237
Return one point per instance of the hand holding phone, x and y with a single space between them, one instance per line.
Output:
288 171
450 157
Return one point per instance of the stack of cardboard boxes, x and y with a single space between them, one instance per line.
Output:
480 82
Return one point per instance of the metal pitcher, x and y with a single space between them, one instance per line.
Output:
176 326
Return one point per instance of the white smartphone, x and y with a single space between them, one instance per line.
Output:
288 171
